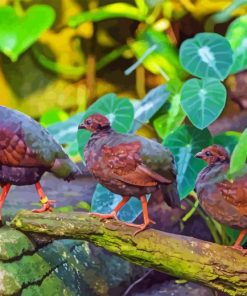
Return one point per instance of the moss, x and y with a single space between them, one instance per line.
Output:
13 243
50 286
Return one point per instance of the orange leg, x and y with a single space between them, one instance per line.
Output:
113 214
147 221
239 240
3 196
46 203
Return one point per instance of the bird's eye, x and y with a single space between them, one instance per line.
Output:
207 153
89 121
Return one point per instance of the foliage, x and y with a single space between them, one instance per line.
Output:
239 154
15 33
207 96
184 143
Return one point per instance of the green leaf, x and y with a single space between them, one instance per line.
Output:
163 59
171 115
104 201
239 155
203 100
19 32
53 115
119 111
184 143
207 55
228 140
115 10
237 36
149 105
65 132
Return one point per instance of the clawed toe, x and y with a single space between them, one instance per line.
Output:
112 215
47 207
241 249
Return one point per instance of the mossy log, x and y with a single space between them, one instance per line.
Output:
188 258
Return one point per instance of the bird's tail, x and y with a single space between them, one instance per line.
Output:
170 194
66 169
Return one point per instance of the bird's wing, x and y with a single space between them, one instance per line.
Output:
234 192
24 143
125 164
13 149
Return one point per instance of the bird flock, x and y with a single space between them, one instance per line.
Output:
126 164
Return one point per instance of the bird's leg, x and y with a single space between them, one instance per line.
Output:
237 245
147 221
113 214
46 203
3 196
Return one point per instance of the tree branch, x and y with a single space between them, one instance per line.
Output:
188 258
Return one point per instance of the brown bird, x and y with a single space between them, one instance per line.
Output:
27 151
225 201
129 165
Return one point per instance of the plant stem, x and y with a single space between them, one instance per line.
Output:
70 71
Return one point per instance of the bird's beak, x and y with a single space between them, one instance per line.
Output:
81 126
199 155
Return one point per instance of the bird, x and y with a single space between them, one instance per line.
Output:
224 200
27 151
129 165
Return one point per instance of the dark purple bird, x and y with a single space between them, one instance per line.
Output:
27 151
129 165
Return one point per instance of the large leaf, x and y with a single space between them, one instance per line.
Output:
203 100
115 10
120 112
184 143
237 36
228 140
18 32
149 105
239 154
105 201
207 55
163 59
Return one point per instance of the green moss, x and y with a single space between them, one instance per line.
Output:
13 243
50 286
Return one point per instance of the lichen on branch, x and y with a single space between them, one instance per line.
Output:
188 258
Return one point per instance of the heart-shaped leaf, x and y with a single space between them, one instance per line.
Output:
239 154
237 36
203 100
19 32
104 201
184 143
149 105
207 55
120 113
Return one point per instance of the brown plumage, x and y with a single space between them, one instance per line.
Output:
225 201
129 165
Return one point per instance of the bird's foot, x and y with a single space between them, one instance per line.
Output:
112 215
240 248
47 207
140 227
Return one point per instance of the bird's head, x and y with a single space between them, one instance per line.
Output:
213 154
95 123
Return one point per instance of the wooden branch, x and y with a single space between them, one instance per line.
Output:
188 258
